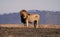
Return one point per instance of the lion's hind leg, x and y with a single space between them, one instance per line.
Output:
35 23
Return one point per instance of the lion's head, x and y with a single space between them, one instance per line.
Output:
24 15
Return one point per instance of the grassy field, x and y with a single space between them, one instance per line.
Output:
14 30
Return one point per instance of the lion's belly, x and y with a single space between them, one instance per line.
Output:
31 18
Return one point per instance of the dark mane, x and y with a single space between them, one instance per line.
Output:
23 11
23 20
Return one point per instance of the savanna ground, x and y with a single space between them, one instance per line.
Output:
14 30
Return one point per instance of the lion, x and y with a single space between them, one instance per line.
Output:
27 18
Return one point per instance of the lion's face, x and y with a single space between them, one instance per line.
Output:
24 14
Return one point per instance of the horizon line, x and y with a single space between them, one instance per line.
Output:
27 10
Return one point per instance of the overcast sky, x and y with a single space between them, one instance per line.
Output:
7 6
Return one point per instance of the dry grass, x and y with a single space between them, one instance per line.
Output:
30 26
17 30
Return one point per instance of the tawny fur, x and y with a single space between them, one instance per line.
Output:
30 17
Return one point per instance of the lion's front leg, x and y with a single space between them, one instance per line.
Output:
37 25
27 22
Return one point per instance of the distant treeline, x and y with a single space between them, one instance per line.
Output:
47 17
